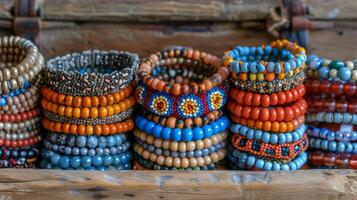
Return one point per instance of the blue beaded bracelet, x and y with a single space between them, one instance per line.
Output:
332 117
178 134
268 137
44 164
23 152
333 146
325 133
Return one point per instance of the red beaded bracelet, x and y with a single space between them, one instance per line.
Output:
333 105
20 116
265 100
20 143
331 87
286 113
343 160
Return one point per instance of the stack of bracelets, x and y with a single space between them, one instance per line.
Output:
20 65
180 124
88 100
266 106
332 114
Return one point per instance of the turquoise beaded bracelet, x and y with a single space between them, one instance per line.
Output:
332 117
333 146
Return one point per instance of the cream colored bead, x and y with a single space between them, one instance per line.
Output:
169 161
350 65
326 62
193 162
333 73
354 75
177 163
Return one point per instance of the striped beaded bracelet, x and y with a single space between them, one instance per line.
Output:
333 146
332 117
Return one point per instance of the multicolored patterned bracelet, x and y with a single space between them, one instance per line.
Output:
334 160
91 72
334 117
336 88
19 163
267 137
318 104
176 134
325 133
333 146
183 106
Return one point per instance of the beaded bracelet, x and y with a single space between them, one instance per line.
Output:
336 127
20 116
86 101
177 134
65 162
44 164
266 87
180 162
183 106
333 105
19 136
93 112
325 69
173 122
286 151
270 126
267 137
23 125
21 142
284 113
336 88
337 160
325 133
243 59
333 146
18 69
19 163
19 95
179 56
91 72
266 100
99 129
90 121
23 106
180 146
83 151
25 152
334 117
245 161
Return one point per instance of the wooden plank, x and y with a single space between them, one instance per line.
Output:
156 10
293 185
332 9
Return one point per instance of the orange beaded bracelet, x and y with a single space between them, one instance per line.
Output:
86 101
86 112
100 129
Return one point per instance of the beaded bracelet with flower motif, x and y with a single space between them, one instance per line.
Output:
25 152
21 62
177 56
336 88
183 106
180 162
284 113
180 146
265 100
333 146
332 117
177 134
99 129
86 101
266 87
20 116
318 104
336 160
267 137
91 73
246 161
21 142
324 133
173 122
325 69
244 59
286 151
270 126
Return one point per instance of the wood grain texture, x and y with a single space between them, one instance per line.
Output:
58 185
332 9
5 9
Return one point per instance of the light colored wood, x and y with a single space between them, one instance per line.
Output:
332 9
294 185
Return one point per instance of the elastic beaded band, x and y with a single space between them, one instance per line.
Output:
178 56
93 112
324 69
173 122
334 160
19 163
180 162
266 100
25 152
90 121
20 116
99 129
19 136
335 117
270 126
183 106
96 73
176 134
333 105
246 161
23 125
44 164
325 133
86 101
243 59
266 87
333 146
21 142
22 106
180 146
267 137
284 113
21 62
331 87
19 95
286 151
